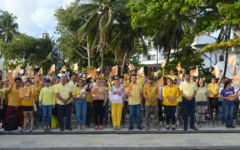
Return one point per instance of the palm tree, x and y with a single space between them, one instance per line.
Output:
8 27
99 15
46 54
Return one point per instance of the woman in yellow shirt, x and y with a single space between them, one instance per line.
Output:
80 104
47 101
170 95
27 105
172 76
213 90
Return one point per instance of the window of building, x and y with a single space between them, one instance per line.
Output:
151 57
135 58
221 58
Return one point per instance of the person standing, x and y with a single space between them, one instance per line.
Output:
14 103
188 90
47 101
202 95
170 94
135 98
172 76
63 93
3 102
151 94
228 105
37 114
99 101
213 93
80 104
221 83
73 83
116 102
106 107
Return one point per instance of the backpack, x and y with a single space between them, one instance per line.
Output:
11 123
54 122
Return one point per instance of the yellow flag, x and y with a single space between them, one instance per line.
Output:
114 71
92 74
156 73
233 70
40 71
194 72
75 66
160 82
17 70
179 67
216 71
163 63
140 72
52 69
27 68
63 68
236 78
131 67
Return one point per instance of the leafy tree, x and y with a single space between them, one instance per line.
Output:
8 27
100 16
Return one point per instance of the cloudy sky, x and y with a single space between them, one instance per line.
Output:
34 16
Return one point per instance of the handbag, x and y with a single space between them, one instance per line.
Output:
34 104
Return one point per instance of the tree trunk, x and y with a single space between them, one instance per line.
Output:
89 56
124 61
226 61
168 55
102 56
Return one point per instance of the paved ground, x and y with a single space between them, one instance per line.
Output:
122 141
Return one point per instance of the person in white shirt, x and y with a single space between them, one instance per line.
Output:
160 116
116 102
61 74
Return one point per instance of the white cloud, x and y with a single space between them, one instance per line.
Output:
34 14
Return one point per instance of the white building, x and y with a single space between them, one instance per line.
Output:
213 59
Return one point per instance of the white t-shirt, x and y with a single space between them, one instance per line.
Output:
116 95
160 91
220 87
61 75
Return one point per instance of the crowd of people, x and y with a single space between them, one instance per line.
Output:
90 100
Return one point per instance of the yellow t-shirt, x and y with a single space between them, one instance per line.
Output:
172 77
201 94
214 88
47 96
63 91
13 97
3 90
135 97
172 92
76 91
29 102
150 91
188 88
179 99
180 77
37 88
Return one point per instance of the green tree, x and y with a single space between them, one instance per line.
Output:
100 16
8 27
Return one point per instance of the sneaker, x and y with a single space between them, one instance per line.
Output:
19 128
194 128
61 129
146 128
227 126
139 128
231 126
2 129
130 128
68 128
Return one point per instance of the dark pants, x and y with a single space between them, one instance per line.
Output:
89 113
19 114
170 114
188 105
228 110
213 100
106 108
3 112
64 110
160 116
236 107
98 111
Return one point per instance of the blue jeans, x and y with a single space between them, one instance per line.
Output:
228 109
188 105
64 110
47 113
106 111
135 109
37 114
170 114
220 109
81 110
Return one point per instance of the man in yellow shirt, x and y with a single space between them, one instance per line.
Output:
14 103
151 94
3 102
135 97
63 93
188 91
